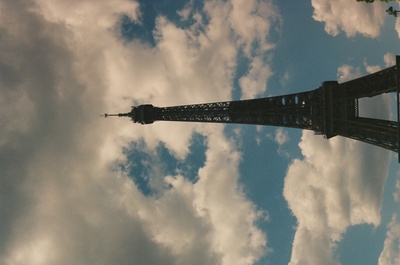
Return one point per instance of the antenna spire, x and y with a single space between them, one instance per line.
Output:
128 114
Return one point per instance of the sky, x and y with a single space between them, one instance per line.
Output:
76 188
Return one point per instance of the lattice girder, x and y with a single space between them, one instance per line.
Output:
378 132
331 109
300 110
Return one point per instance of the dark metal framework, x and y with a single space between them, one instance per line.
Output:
331 109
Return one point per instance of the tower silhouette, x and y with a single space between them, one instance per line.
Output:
331 110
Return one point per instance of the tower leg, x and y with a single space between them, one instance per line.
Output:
384 81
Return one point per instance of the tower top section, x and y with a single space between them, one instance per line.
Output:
143 114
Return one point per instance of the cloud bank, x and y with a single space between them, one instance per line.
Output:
64 199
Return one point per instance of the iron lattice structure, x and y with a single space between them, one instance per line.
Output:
331 109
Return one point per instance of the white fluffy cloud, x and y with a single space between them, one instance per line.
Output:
351 17
327 197
338 184
63 199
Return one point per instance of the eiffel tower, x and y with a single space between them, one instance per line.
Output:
331 110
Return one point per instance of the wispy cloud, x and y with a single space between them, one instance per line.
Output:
391 252
397 26
281 136
396 193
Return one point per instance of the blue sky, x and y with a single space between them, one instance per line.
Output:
76 189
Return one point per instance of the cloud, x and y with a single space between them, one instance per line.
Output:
396 194
327 197
253 21
351 17
281 136
222 197
254 83
348 72
64 198
284 79
248 25
389 59
55 202
339 183
397 25
371 68
391 254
